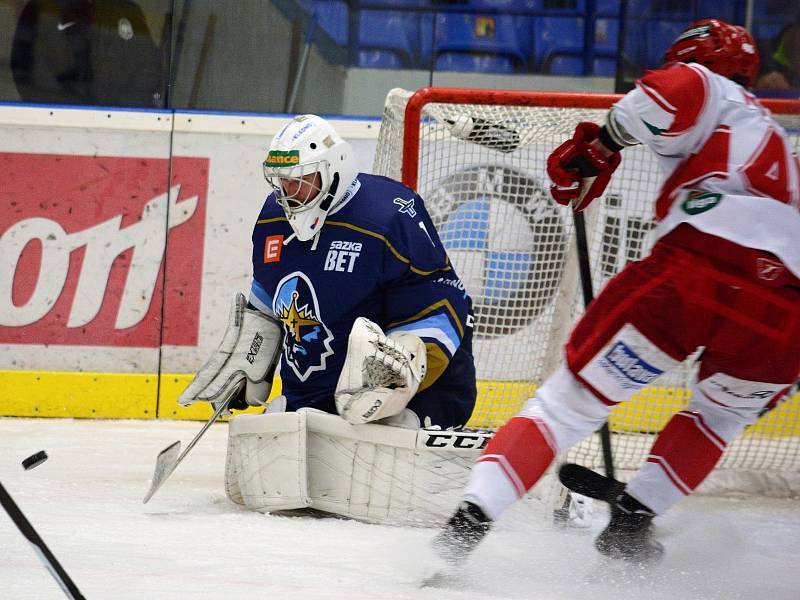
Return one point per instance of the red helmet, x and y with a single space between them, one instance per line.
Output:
724 48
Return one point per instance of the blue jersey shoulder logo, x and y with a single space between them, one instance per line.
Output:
406 206
306 339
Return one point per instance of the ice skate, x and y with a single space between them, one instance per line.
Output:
463 532
629 535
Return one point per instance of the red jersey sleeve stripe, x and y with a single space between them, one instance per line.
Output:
680 90
656 97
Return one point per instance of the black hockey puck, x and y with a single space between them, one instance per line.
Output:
34 460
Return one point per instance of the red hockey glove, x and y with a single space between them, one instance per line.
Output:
573 161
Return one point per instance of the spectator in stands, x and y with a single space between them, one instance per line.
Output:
97 52
781 62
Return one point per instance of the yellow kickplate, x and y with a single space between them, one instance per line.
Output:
647 412
139 396
78 395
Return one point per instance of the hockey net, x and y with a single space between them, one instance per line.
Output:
477 158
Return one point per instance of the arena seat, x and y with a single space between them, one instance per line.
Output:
563 54
391 35
707 9
604 8
479 63
608 8
671 9
556 35
572 64
379 59
493 40
659 36
332 16
506 5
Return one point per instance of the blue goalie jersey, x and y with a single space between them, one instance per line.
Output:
377 256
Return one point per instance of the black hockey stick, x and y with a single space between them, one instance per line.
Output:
168 459
584 266
42 551
584 481
561 514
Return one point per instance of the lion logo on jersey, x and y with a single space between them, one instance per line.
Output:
306 339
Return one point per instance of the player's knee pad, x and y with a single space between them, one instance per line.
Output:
728 404
569 410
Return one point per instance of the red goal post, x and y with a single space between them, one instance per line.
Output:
477 158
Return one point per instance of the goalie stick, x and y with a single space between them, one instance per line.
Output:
42 551
168 459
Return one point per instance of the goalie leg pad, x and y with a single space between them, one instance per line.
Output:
371 472
266 463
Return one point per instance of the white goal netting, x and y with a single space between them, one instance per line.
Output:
478 159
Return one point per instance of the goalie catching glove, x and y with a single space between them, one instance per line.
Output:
380 374
240 371
576 160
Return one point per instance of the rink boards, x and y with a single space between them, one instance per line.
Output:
125 235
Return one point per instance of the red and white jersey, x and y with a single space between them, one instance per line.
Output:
730 169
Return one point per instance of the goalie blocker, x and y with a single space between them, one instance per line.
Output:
242 367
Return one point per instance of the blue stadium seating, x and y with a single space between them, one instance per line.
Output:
506 5
560 49
714 8
606 36
482 63
606 8
573 65
379 59
659 36
554 35
387 38
332 16
500 42
496 41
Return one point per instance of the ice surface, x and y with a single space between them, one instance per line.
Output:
189 542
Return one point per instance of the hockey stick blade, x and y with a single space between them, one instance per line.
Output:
166 461
586 482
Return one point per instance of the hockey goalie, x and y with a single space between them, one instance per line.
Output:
354 296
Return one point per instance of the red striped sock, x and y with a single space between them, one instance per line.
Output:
687 450
523 448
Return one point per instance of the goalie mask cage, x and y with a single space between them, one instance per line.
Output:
477 158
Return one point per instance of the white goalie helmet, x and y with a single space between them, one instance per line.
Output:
307 145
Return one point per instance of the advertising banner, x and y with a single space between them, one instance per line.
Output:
124 237
83 248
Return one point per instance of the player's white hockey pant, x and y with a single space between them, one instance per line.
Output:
682 301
